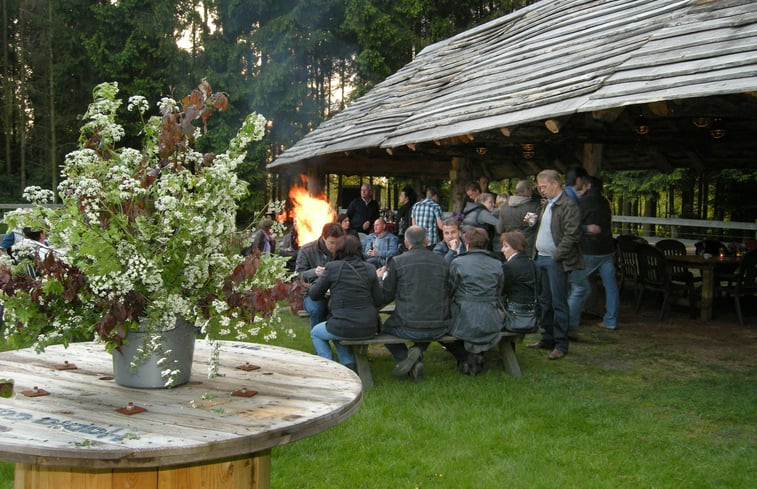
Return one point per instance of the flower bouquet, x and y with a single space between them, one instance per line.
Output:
143 237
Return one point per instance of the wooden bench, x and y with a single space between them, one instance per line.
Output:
506 349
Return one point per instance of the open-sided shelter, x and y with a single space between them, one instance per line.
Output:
610 84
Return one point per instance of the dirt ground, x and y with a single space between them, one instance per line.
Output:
721 342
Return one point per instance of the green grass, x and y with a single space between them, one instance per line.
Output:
628 409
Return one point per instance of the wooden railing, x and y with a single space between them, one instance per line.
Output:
684 228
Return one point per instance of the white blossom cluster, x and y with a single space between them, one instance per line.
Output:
38 195
138 103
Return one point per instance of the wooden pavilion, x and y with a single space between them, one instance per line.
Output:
609 84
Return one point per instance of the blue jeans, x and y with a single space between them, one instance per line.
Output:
318 310
553 299
321 338
421 339
580 289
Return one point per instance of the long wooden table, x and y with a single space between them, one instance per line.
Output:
194 436
707 267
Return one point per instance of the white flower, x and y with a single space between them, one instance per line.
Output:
139 103
38 195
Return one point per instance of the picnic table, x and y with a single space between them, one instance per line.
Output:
208 433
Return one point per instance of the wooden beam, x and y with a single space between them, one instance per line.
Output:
659 108
505 131
607 115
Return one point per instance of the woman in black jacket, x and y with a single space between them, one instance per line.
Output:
355 296
520 277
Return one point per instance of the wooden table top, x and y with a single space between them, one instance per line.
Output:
698 260
77 425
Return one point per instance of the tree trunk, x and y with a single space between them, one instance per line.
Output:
7 94
53 135
21 102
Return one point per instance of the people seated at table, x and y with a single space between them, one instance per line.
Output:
476 283
417 281
344 221
262 239
479 215
311 261
453 244
380 245
519 284
355 297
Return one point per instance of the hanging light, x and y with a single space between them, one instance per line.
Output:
701 121
717 129
642 126
528 151
481 149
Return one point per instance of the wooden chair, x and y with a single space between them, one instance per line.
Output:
745 282
679 273
655 275
627 264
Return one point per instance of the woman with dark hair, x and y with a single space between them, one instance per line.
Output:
476 281
262 239
344 221
355 297
519 270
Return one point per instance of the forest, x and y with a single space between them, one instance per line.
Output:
297 62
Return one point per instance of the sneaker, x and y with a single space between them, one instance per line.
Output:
404 367
606 326
556 354
416 373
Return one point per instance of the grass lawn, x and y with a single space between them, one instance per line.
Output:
653 405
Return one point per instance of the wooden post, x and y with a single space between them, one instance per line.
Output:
459 176
314 181
593 158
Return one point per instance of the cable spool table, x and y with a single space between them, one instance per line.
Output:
68 425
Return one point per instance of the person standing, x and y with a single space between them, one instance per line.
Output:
428 215
355 295
556 253
363 210
380 245
408 198
262 239
311 261
417 281
598 249
512 215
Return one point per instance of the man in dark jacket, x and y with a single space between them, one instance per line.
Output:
556 253
512 214
417 281
363 211
598 249
311 260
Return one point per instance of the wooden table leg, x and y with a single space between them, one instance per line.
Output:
708 291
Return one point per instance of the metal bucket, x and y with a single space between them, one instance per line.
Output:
180 341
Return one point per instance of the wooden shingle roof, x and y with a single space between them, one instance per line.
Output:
592 65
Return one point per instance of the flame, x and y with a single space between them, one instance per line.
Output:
311 213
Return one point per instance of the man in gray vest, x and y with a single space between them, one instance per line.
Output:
417 281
